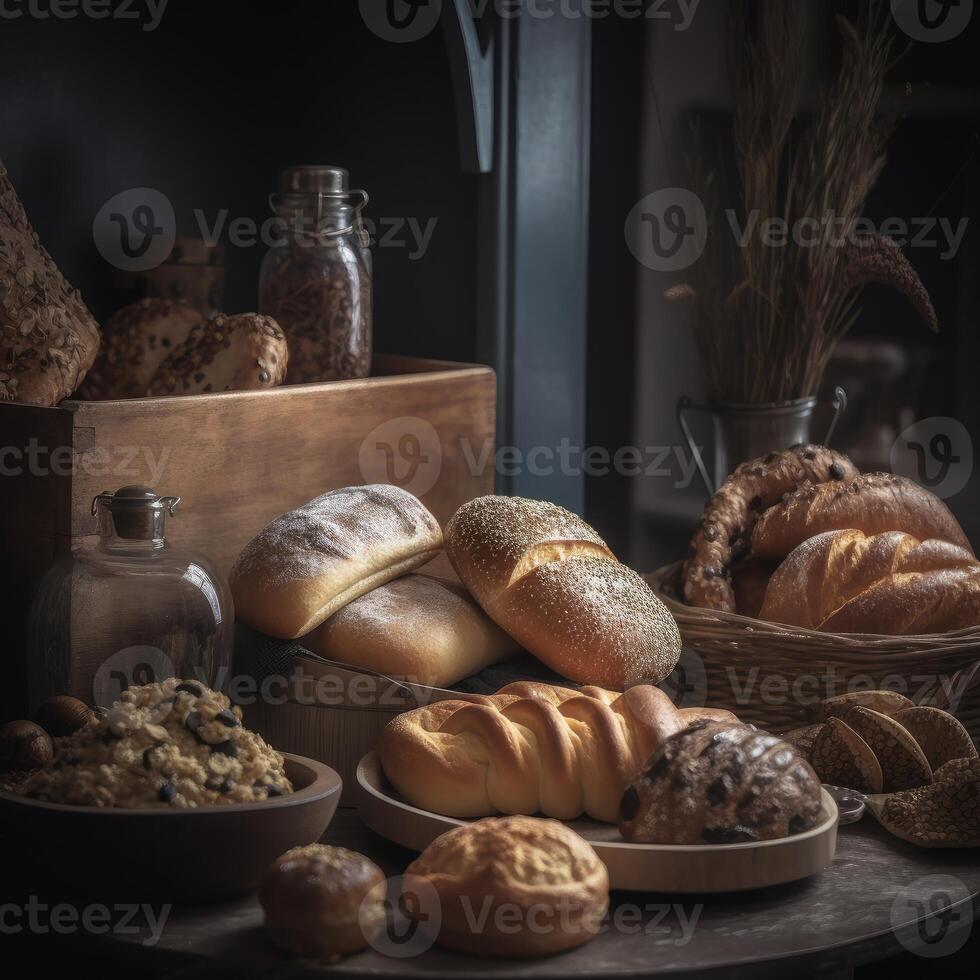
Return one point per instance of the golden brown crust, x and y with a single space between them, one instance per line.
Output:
542 888
48 338
135 341
305 565
891 584
542 574
872 503
417 628
319 901
530 748
730 516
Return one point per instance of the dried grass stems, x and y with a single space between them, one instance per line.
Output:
767 318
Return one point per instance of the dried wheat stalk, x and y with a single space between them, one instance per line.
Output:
767 318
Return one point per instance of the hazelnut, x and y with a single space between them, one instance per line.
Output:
24 745
63 715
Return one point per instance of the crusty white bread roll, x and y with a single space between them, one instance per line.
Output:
416 628
509 886
531 748
244 352
891 583
545 576
872 503
135 342
307 564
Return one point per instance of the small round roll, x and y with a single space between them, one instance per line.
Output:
511 886
545 576
322 902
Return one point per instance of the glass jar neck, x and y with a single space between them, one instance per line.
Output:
111 544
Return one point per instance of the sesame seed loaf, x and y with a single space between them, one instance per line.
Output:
546 577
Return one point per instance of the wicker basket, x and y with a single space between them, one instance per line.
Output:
769 674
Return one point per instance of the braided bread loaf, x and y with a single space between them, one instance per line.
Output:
531 748
730 516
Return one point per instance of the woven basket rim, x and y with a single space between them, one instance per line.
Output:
745 629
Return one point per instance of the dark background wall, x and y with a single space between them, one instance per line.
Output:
210 106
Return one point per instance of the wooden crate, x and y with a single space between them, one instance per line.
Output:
237 459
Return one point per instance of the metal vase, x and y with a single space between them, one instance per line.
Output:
744 432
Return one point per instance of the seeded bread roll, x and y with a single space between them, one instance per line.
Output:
307 564
730 516
48 338
718 783
872 503
227 353
890 584
135 341
418 628
510 886
542 574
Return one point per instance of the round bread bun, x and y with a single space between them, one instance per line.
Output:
135 341
322 902
511 886
245 352
545 576
305 565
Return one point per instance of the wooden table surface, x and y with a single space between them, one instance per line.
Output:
880 897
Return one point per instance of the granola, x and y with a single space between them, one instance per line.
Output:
175 744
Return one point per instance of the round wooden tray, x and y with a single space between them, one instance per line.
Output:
633 867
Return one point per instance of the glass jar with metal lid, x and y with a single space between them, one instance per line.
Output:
316 280
130 610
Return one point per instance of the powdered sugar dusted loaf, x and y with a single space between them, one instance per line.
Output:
305 565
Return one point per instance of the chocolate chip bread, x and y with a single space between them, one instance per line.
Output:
720 783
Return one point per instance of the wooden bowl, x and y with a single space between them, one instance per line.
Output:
163 855
680 868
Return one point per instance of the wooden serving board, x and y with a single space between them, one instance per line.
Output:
632 867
